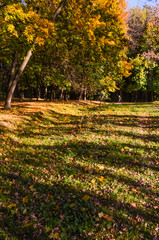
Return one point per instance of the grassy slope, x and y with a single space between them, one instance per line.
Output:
79 171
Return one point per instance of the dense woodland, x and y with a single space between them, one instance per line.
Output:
94 49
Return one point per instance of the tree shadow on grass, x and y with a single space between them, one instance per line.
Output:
44 185
48 206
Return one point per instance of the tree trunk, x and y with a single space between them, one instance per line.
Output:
52 93
62 95
136 97
45 93
13 69
152 96
20 93
121 95
85 94
13 82
81 94
31 93
38 90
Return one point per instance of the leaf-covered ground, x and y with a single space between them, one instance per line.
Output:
79 170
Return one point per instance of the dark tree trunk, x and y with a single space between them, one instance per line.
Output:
38 90
136 97
81 94
20 93
52 93
31 93
67 96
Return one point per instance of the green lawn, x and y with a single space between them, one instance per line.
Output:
79 170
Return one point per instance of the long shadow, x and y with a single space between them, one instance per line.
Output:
42 192
82 150
50 205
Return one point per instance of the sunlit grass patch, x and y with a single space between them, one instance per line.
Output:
79 170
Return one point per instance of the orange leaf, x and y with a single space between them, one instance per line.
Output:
86 197
72 205
107 217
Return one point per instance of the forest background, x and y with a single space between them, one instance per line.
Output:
64 50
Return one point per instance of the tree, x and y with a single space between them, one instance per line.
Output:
25 25
143 50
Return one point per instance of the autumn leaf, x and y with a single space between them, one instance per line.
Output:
57 208
47 229
133 204
84 209
101 179
72 205
54 236
100 215
25 199
12 205
86 197
101 167
27 224
93 181
107 217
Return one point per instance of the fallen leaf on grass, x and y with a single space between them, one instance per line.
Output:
54 236
93 181
72 205
25 199
101 214
12 205
84 209
47 229
133 204
57 208
101 179
107 217
86 197
27 224
101 167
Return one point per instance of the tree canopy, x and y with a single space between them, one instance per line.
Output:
78 47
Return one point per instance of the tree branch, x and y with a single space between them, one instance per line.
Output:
58 10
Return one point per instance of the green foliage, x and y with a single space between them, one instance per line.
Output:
139 75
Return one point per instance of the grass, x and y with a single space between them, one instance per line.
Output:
79 170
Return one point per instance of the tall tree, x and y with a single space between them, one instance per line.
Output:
25 25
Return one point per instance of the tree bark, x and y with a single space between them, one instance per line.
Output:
20 93
38 91
58 10
81 94
14 81
85 94
45 93
121 95
13 69
62 94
